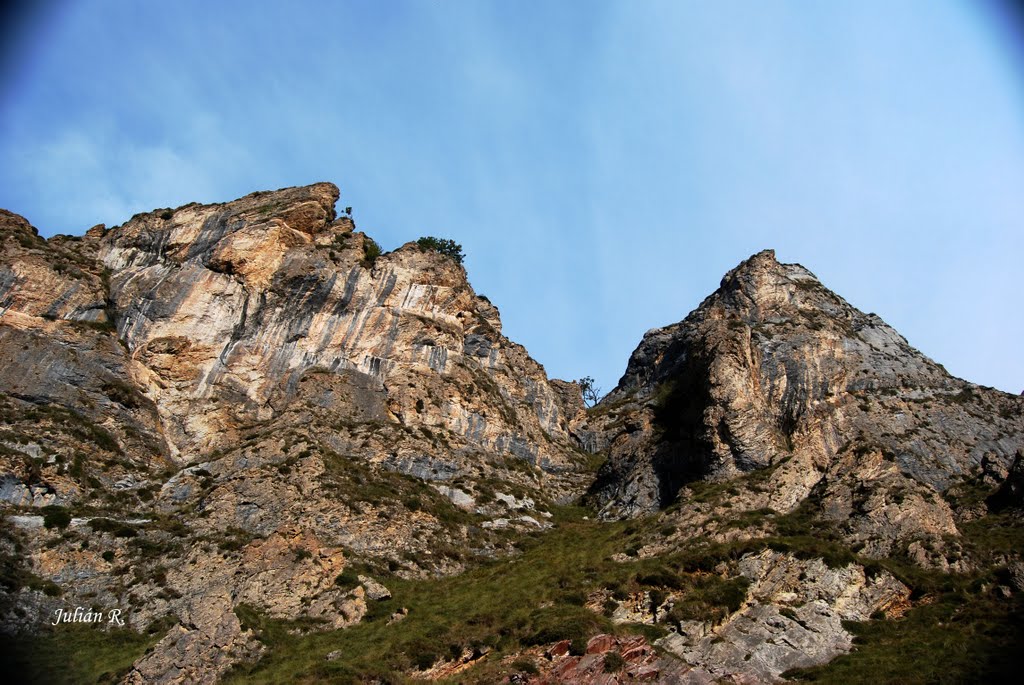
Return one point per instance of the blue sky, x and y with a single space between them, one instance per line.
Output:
602 163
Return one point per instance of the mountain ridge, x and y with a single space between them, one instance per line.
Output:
221 416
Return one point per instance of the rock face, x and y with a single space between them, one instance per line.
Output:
67 394
224 308
266 389
609 660
792 617
774 370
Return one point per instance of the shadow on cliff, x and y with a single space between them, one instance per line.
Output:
684 452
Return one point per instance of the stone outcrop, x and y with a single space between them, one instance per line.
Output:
792 618
610 660
224 308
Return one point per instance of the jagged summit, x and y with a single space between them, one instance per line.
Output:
762 274
304 208
776 402
788 304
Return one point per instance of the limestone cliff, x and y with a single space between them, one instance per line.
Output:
224 308
251 373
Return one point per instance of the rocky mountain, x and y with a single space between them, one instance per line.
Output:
280 453
775 370
777 408
254 378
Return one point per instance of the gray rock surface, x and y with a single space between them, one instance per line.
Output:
792 618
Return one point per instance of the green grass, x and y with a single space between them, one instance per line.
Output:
74 654
503 606
968 632
711 598
963 629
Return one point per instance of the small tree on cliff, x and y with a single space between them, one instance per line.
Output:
591 393
448 248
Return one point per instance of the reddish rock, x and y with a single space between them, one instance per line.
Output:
559 649
635 652
563 669
599 644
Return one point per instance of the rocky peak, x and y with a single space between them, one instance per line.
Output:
763 304
53 279
763 279
260 222
15 223
775 369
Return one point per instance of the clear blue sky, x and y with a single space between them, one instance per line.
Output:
602 163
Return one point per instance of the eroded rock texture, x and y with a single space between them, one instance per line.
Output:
792 618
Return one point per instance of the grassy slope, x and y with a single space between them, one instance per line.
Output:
963 630
535 598
960 638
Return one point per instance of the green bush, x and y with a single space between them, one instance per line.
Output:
710 597
347 578
524 665
371 250
423 654
77 468
449 248
56 517
613 662
660 578
563 622
609 607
